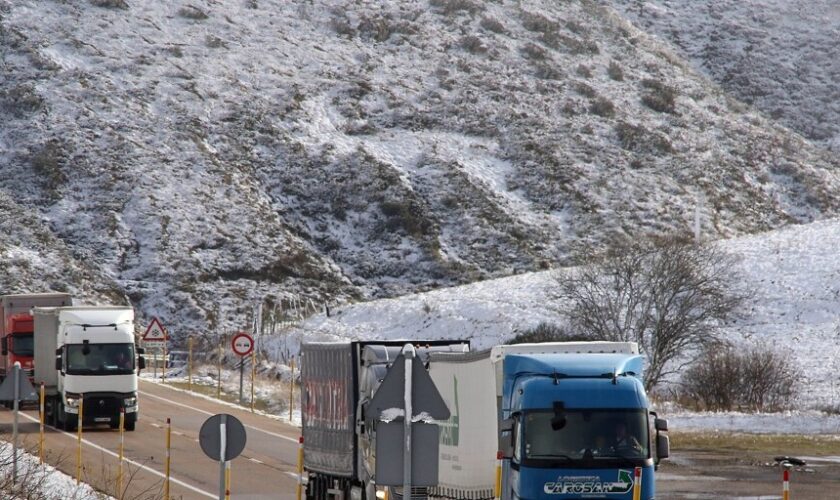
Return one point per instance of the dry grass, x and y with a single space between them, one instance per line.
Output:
759 444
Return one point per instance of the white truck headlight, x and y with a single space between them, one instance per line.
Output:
72 401
129 402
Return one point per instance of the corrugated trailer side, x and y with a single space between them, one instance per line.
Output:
469 439
328 399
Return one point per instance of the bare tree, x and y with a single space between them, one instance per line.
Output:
669 295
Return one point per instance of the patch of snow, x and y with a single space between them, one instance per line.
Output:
52 484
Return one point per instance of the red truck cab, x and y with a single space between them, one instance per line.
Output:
18 345
17 342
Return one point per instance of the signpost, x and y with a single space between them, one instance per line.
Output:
156 338
222 437
408 385
243 345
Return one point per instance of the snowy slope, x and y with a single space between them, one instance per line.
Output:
780 55
201 156
794 274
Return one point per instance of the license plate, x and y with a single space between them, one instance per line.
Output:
102 419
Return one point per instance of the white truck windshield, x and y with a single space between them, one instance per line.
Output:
100 359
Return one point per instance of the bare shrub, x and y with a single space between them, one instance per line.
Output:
455 6
533 51
638 139
214 42
110 4
48 162
538 23
546 332
585 90
602 107
660 97
191 12
547 70
725 379
573 45
615 72
379 28
472 44
342 26
584 71
21 100
492 24
668 295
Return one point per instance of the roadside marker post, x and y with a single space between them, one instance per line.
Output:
299 489
41 426
637 484
121 455
79 438
15 408
163 370
222 453
219 378
227 480
168 457
189 362
253 377
786 481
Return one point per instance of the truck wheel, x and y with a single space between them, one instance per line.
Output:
130 425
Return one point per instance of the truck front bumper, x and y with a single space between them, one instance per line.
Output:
105 407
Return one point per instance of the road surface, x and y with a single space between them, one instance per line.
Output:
264 470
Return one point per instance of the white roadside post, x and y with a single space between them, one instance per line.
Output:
409 353
15 422
222 452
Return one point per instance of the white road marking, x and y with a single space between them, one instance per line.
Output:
251 459
287 438
74 437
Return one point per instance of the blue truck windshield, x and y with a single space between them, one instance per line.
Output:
587 435
100 359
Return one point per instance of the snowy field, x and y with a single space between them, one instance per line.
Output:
793 273
264 390
42 481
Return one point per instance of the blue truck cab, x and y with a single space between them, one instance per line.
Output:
577 425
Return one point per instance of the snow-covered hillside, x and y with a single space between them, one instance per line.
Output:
199 156
793 273
780 55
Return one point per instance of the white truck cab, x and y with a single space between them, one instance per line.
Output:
87 352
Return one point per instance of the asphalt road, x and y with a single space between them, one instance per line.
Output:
264 470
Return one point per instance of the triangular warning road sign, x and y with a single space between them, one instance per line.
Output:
26 392
424 395
155 331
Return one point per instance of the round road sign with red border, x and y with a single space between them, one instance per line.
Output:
242 344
